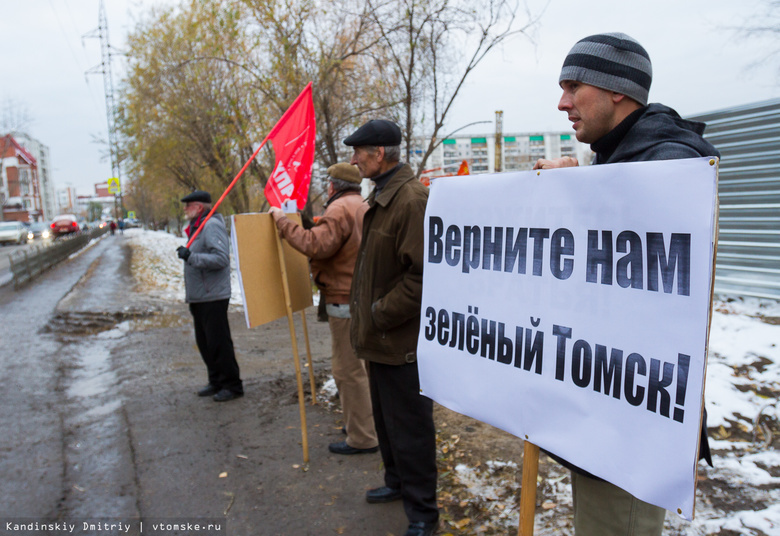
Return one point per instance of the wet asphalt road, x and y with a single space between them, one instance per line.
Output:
100 420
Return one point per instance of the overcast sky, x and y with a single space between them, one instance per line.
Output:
699 65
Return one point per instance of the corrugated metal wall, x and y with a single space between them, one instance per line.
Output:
748 137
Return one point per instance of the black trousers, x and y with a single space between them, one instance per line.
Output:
212 335
407 437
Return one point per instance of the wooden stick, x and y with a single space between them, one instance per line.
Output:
296 357
312 380
528 489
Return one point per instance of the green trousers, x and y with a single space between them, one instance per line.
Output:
603 509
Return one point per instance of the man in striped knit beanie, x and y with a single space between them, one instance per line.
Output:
605 80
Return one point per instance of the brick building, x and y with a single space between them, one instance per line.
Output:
19 186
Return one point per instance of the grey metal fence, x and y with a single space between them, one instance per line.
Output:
30 263
748 138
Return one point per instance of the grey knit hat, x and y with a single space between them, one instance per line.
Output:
611 61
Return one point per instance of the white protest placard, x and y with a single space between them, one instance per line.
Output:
570 307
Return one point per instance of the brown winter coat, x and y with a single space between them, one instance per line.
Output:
387 287
332 244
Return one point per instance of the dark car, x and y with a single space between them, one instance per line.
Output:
38 230
64 224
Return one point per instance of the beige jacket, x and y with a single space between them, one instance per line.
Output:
332 244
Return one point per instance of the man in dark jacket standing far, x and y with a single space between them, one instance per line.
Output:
385 309
207 285
605 80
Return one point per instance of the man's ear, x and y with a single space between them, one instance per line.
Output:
617 97
380 154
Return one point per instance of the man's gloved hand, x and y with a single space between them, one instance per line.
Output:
183 253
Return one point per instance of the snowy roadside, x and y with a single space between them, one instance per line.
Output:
739 495
158 270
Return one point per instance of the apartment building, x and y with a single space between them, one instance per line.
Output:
19 186
519 151
40 152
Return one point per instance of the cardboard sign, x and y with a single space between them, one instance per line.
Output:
570 307
254 240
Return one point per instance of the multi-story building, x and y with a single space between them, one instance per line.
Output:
19 187
107 201
67 200
40 152
518 152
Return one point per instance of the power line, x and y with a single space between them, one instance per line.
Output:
65 34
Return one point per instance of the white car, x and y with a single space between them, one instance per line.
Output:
12 232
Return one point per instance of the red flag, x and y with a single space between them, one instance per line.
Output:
286 152
293 140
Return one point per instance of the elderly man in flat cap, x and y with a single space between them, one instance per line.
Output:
207 284
386 297
605 80
332 244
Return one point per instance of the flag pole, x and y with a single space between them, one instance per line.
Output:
227 191
254 155
528 489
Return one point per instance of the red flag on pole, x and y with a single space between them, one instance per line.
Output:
285 145
293 141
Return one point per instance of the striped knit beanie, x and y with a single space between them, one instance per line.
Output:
611 61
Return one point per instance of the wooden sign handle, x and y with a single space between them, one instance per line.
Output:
312 380
296 356
528 489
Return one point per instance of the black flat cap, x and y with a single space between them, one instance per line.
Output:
198 195
377 132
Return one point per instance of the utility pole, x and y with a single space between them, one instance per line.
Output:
101 32
499 141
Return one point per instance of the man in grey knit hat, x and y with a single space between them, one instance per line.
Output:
605 80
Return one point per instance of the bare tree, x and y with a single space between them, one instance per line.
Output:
763 24
208 79
331 44
434 45
185 114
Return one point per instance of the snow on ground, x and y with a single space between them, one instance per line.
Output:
161 271
744 351
743 381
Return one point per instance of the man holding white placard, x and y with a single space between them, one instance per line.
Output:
605 80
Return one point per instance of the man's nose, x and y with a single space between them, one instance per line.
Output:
565 102
353 161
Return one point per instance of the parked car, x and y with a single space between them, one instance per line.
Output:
38 230
12 232
64 224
